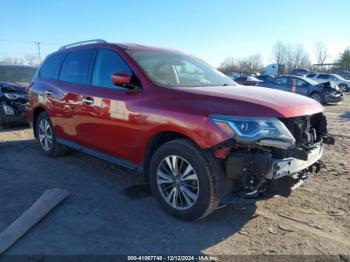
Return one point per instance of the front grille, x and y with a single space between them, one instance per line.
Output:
305 130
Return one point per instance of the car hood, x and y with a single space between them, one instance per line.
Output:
255 101
14 87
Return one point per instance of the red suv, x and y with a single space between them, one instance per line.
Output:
198 137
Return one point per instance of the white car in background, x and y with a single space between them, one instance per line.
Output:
343 84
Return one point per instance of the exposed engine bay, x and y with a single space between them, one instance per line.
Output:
263 170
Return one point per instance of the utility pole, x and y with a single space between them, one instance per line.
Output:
39 55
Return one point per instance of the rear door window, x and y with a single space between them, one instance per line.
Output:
51 66
75 68
107 62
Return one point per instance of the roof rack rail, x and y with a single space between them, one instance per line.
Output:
86 42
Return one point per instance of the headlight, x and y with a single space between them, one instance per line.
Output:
253 129
14 96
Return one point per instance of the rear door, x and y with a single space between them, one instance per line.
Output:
110 117
73 77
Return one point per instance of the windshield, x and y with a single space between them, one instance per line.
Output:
16 73
338 76
172 69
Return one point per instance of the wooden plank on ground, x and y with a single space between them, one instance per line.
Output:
47 201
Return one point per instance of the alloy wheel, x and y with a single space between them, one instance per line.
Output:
177 182
45 135
342 87
317 97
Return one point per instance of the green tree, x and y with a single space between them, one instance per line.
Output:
345 59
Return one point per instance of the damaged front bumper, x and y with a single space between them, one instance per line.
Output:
260 175
282 176
13 113
292 166
335 97
268 166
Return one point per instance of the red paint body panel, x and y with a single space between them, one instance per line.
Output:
121 123
112 123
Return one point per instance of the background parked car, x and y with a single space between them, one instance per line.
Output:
343 73
266 78
233 75
323 93
343 84
300 72
247 80
14 81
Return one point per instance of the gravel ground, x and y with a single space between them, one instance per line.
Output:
109 211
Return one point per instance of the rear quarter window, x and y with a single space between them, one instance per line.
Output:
51 66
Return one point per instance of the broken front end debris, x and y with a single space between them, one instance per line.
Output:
13 100
271 165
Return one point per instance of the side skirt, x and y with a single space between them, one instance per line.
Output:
98 154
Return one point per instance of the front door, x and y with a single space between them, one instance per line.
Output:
110 115
298 86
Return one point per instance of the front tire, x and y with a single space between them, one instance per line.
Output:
343 88
182 180
46 136
317 96
2 115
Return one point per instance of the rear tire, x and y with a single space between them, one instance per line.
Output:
182 180
47 138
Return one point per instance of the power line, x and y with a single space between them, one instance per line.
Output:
18 41
27 41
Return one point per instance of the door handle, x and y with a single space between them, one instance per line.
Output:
88 100
48 92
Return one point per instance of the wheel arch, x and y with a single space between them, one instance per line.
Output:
158 139
165 136
36 112
316 92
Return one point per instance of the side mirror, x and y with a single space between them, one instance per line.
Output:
121 79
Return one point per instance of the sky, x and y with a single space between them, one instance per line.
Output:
211 30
